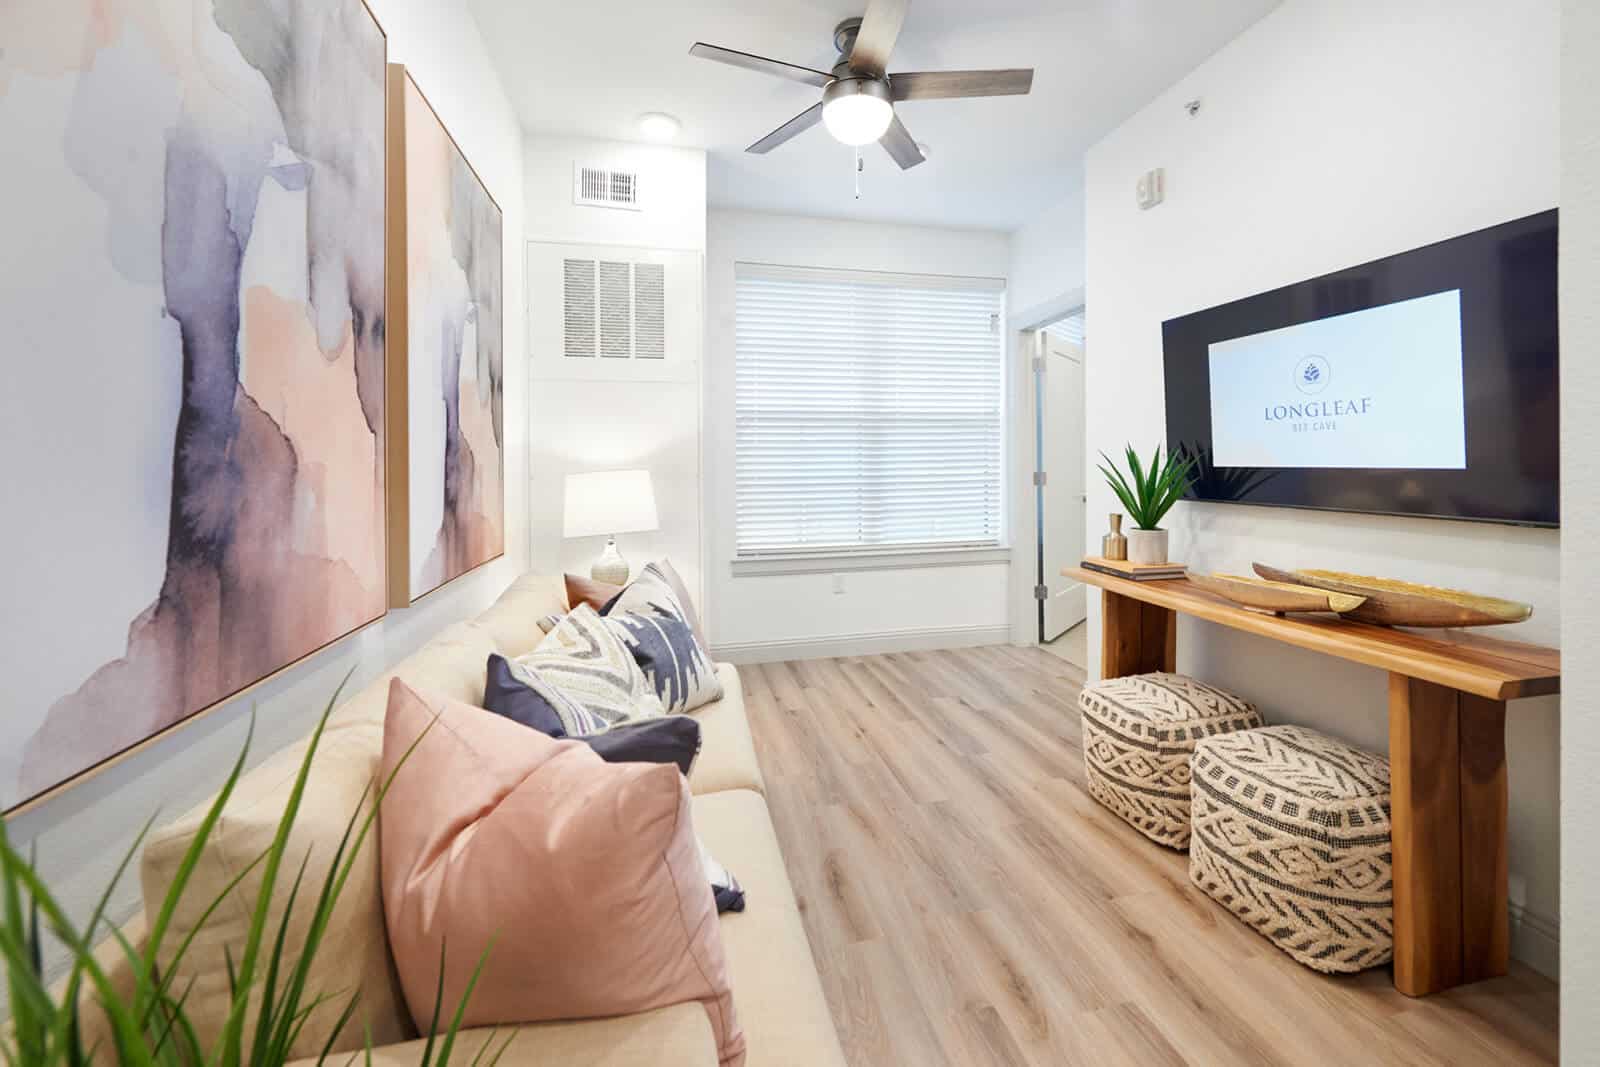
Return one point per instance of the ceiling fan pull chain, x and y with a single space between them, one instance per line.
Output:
858 172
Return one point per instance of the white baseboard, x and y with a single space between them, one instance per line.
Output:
1536 941
867 644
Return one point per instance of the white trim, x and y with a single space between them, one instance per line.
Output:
1021 517
868 644
783 272
1536 940
868 560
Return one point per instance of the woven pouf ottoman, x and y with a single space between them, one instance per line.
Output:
1138 735
1291 834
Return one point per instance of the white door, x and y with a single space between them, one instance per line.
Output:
1062 449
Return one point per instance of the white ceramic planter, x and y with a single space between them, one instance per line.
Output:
1147 546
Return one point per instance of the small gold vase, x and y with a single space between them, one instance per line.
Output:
1114 545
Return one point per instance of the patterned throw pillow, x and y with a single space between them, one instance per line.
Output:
516 691
590 665
658 624
665 648
651 593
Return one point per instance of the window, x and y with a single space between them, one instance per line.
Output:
870 411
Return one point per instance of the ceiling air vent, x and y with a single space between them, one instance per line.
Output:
600 187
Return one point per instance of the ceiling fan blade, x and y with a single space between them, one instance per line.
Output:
880 28
945 84
761 64
900 145
797 125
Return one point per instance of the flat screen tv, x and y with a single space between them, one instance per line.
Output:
1421 384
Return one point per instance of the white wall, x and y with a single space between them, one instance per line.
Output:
581 424
1047 256
777 616
1333 132
1580 516
1045 280
82 834
672 194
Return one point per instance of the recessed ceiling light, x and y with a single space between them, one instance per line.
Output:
922 146
658 126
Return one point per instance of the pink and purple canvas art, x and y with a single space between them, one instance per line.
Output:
192 314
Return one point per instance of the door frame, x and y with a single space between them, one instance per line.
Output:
1021 325
1052 494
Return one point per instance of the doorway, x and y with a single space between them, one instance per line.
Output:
1059 489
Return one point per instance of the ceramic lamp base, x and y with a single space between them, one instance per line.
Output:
609 566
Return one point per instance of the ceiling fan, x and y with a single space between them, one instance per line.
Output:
858 95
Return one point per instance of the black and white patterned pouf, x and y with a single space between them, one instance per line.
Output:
1138 735
1291 834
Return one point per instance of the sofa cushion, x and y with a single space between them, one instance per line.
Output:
676 1036
354 952
781 1004
585 876
727 751
451 664
513 621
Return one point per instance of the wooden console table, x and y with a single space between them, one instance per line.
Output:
1447 756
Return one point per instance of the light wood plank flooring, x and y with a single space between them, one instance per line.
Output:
968 903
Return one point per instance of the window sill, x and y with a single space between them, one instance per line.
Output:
869 561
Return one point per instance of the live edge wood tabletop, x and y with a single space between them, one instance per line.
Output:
1447 756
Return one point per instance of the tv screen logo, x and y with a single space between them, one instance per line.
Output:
1311 375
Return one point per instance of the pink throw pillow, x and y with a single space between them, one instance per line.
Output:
584 874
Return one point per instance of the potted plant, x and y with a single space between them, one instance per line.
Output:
1148 492
148 1020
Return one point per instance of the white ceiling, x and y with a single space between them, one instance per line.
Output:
590 68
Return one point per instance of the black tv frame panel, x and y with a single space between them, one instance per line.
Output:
1510 370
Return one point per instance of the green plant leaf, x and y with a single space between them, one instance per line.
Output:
130 1048
461 1007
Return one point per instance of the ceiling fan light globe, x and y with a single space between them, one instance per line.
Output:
857 111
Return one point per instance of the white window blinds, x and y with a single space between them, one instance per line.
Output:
870 411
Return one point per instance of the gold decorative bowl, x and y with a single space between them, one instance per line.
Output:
1390 602
1276 597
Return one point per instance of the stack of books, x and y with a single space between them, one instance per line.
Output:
1139 572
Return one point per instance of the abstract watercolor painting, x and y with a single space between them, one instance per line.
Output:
445 237
192 316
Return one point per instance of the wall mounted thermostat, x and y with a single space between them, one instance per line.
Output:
1151 189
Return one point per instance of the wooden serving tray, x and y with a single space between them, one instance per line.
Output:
1395 603
1276 597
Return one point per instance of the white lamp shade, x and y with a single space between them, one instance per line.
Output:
609 502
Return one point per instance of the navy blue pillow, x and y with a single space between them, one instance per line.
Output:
504 694
668 739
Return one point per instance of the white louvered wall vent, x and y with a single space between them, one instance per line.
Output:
600 187
614 309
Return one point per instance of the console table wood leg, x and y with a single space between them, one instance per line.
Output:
1425 821
1136 637
1447 769
1485 895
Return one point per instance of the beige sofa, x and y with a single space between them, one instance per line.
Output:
776 988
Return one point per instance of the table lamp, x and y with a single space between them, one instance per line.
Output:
610 503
